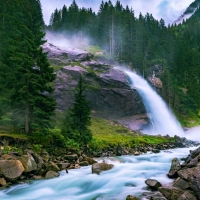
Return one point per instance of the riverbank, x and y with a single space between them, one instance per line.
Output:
127 177
25 161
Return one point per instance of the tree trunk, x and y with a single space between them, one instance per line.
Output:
27 128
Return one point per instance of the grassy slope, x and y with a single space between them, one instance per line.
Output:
107 132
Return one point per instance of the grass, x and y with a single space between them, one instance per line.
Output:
92 49
190 120
107 132
14 136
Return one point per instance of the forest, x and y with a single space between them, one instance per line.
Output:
140 42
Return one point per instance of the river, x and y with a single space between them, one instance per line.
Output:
126 178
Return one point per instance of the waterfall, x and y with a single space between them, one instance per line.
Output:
162 119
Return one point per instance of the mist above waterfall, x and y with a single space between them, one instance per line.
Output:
64 40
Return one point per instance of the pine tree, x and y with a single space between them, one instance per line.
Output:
27 67
78 118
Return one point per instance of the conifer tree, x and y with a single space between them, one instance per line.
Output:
78 118
28 70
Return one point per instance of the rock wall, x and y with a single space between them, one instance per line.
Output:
108 89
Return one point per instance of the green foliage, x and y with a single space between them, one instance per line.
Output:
92 49
77 120
37 148
25 66
108 133
7 149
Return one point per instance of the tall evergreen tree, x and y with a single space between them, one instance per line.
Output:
27 67
78 119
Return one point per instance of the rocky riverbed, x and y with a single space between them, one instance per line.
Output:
186 177
28 165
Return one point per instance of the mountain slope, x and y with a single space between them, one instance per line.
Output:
188 12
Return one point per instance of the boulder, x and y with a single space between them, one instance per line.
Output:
188 195
171 193
180 183
51 174
194 183
130 197
136 153
28 163
2 182
63 165
193 162
90 160
153 184
155 150
51 166
99 167
188 172
84 163
11 169
195 153
71 157
175 167
38 159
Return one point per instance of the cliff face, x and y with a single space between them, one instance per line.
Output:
108 89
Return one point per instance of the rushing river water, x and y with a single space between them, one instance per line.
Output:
127 177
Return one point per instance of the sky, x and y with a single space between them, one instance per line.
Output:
169 10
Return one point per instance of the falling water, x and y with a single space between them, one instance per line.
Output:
162 119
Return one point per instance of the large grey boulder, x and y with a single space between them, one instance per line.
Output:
28 162
153 184
187 195
52 166
11 169
171 193
175 167
97 168
182 184
51 174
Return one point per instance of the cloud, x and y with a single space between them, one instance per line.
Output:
169 10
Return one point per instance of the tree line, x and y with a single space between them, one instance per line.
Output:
142 42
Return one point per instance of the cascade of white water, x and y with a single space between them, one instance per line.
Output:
162 119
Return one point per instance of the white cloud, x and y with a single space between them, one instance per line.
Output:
169 10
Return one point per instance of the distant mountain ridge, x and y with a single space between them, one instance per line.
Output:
188 12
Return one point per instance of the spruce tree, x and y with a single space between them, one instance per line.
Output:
30 75
78 118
